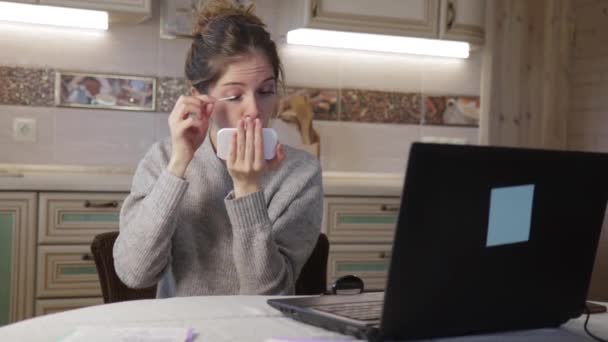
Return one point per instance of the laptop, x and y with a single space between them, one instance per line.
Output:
488 239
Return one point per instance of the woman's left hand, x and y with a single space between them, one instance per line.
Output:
246 162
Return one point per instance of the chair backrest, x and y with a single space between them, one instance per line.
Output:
312 279
112 288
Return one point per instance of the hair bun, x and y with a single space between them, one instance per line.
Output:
212 10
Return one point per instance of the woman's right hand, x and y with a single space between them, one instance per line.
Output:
188 123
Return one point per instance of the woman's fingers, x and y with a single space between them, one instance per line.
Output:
249 147
184 125
240 139
258 161
189 104
205 98
208 102
232 151
197 121
249 142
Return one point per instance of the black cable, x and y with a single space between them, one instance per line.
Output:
587 330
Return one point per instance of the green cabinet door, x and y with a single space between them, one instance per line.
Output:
17 263
6 238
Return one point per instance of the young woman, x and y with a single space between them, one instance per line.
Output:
196 225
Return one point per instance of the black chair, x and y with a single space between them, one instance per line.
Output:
312 279
112 288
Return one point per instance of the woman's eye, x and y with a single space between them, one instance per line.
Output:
235 98
266 92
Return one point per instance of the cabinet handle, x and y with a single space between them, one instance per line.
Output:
315 8
451 15
111 204
385 255
388 207
87 256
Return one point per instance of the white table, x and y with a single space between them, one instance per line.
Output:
233 318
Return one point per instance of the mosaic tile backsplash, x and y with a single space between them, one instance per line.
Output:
27 87
36 87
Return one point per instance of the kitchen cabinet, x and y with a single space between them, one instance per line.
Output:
49 306
360 230
462 20
444 19
17 255
66 275
396 17
124 11
369 262
51 217
360 219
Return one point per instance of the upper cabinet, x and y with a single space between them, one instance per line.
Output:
413 18
124 11
400 17
462 20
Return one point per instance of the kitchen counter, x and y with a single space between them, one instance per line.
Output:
107 179
362 184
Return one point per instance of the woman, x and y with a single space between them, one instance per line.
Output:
197 225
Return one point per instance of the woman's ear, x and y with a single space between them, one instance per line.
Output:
194 91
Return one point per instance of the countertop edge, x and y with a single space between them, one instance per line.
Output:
81 179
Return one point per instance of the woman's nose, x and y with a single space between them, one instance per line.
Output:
252 109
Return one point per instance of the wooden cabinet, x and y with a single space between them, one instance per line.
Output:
368 262
132 11
49 306
66 271
462 20
138 6
17 253
399 17
360 232
360 219
77 217
67 223
446 19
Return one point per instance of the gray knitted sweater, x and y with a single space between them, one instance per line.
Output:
193 238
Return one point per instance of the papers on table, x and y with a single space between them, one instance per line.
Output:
129 334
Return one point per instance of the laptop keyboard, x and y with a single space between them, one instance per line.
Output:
362 311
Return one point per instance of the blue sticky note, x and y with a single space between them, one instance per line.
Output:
510 215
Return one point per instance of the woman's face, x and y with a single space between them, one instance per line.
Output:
252 81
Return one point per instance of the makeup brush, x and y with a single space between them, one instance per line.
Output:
227 98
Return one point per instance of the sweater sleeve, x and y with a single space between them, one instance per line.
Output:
147 223
269 255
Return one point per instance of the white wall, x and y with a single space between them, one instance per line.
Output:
116 138
333 68
369 147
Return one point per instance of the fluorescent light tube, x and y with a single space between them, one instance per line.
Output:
378 43
54 16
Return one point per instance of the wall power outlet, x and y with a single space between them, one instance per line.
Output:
24 129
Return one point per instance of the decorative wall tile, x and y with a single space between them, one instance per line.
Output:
36 87
451 110
26 87
169 89
380 107
324 102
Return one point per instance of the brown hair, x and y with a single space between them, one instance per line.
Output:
224 31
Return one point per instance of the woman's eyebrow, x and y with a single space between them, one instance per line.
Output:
243 84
